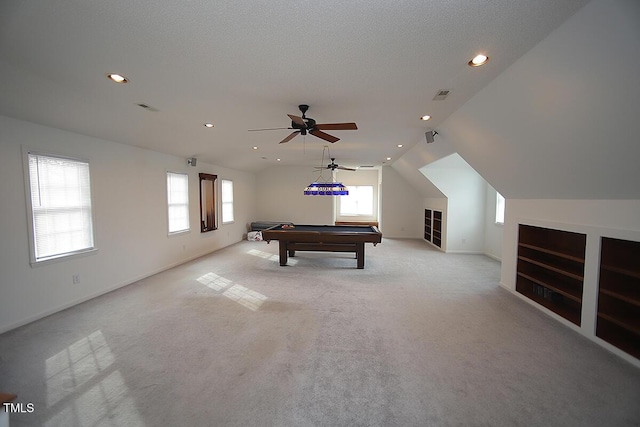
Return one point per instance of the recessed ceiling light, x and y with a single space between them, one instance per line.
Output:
277 160
478 60
117 78
388 158
425 117
399 145
208 125
255 147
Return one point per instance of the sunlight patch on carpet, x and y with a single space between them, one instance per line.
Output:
270 257
241 294
82 384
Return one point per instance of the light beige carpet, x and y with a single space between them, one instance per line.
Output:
417 338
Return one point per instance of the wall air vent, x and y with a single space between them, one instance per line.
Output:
442 94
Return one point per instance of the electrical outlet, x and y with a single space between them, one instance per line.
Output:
76 279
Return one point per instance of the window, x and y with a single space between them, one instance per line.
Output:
60 208
359 202
499 209
178 201
227 201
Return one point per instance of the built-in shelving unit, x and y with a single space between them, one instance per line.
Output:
550 269
437 228
427 225
618 320
433 227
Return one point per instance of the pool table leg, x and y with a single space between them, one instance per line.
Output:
360 254
283 252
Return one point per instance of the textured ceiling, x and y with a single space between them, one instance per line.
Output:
245 64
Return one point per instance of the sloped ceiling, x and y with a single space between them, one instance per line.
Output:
563 122
244 64
409 165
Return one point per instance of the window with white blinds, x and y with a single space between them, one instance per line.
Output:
178 201
62 222
227 201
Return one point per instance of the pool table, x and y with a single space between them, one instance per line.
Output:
323 238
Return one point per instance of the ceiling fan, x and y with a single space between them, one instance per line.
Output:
333 166
304 125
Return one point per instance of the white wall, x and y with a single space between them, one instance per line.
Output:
439 204
130 212
595 218
416 157
551 129
465 191
562 121
360 177
402 213
280 196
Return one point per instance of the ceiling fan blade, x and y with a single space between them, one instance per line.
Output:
290 137
255 130
337 126
345 169
324 136
297 120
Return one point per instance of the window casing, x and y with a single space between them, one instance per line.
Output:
227 201
500 203
60 209
178 202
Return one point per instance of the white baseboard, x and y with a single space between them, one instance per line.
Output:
492 256
49 312
592 337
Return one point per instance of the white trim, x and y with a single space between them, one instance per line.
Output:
128 282
64 257
184 230
504 205
492 256
572 326
591 281
222 202
29 211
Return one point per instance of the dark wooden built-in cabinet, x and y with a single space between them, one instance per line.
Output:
550 269
428 226
433 227
618 320
437 228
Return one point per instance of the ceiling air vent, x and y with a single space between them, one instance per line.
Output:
442 94
147 107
